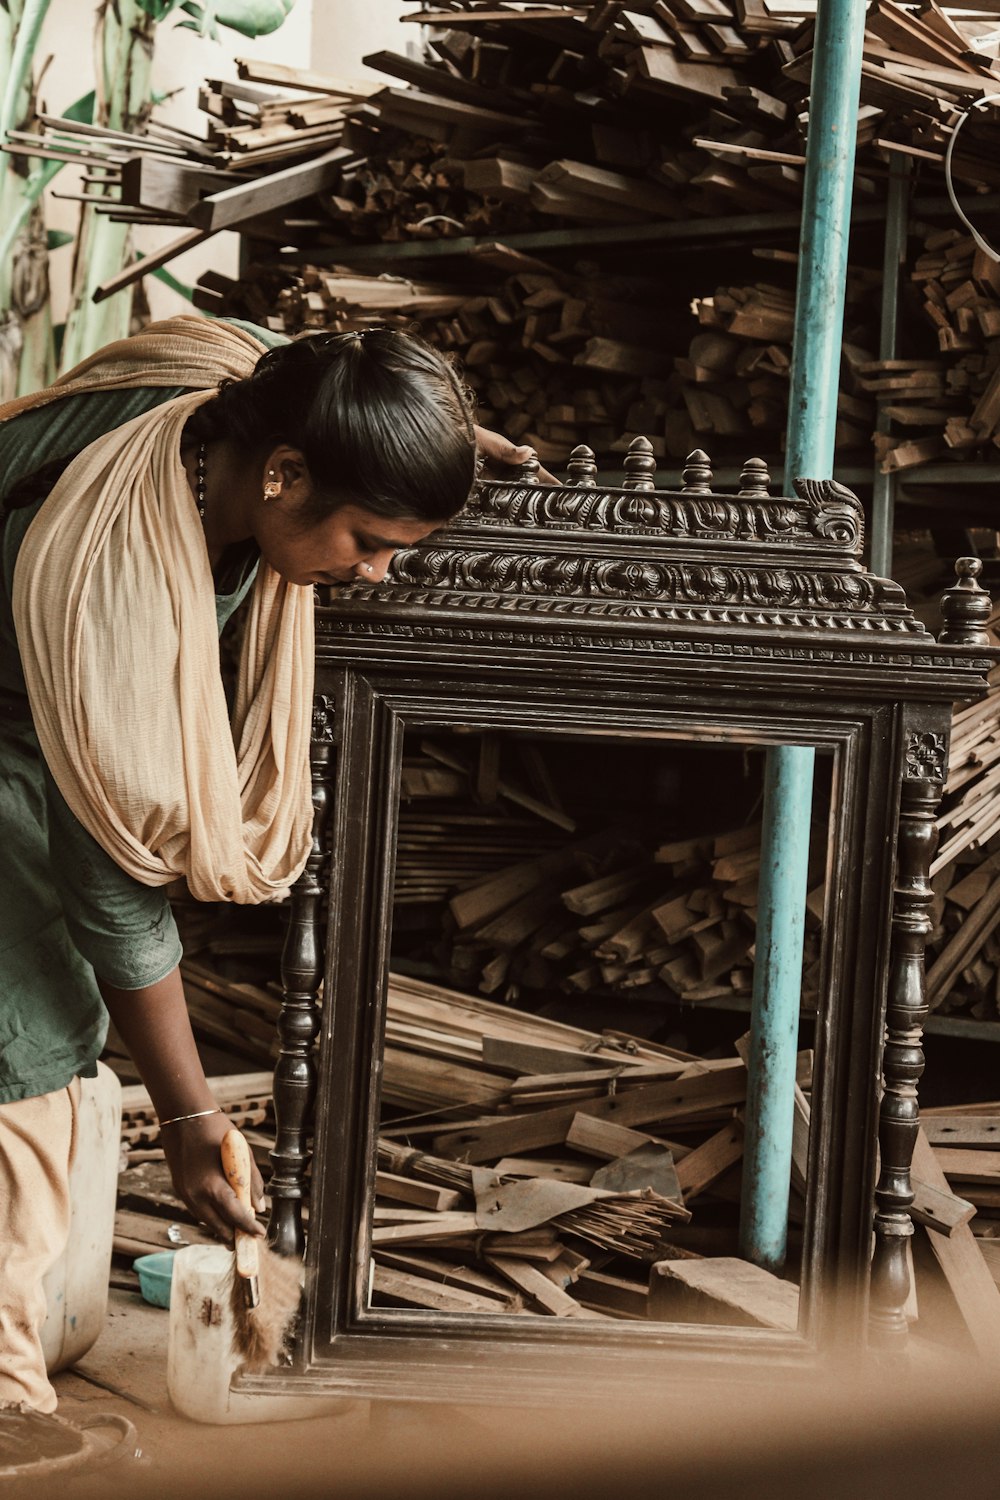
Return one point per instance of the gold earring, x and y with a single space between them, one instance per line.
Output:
272 486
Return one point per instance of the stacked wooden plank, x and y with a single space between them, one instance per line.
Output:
964 947
955 1166
734 377
561 1164
948 403
440 852
597 114
463 819
675 922
555 359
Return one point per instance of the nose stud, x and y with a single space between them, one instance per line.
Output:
368 567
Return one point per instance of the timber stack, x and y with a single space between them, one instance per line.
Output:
601 117
609 913
948 403
963 957
524 1166
528 1167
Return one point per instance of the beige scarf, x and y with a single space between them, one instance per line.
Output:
114 607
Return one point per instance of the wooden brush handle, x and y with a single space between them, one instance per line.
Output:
236 1165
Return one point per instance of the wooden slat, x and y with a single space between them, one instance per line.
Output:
961 1262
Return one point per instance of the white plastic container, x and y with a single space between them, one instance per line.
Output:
76 1287
200 1359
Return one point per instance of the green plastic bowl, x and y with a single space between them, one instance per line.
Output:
155 1272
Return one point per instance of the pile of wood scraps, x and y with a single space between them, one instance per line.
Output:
612 913
555 1155
963 957
602 1179
956 1249
555 359
734 377
948 404
560 1164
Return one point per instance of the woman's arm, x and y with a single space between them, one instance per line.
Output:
154 1025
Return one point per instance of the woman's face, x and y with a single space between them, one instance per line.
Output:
351 543
346 544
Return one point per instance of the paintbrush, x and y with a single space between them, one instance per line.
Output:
266 1287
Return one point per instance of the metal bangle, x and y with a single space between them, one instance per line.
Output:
198 1114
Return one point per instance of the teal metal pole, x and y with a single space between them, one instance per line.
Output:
812 418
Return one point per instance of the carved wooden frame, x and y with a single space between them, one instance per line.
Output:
682 616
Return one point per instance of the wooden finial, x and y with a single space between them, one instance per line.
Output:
697 476
582 467
966 607
754 480
640 466
528 471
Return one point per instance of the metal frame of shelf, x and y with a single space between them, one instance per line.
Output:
683 233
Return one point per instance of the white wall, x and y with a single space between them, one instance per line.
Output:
345 31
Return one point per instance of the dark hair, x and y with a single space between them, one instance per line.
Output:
378 415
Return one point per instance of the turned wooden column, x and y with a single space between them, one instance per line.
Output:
903 1057
965 607
298 1024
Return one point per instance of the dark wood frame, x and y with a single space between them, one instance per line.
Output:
540 612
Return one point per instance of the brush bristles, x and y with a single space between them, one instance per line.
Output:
260 1333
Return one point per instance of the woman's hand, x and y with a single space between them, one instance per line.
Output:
499 455
153 1023
192 1150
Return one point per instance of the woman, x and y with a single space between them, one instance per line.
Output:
145 494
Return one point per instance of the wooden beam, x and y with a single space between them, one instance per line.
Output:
235 205
961 1262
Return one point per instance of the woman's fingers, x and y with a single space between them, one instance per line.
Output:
222 1212
499 454
196 1167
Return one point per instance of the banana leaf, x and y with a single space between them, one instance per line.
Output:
251 18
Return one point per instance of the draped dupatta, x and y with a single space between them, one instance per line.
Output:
114 607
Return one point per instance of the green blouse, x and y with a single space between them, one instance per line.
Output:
68 910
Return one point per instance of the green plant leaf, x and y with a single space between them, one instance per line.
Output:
56 237
204 27
250 18
158 9
82 109
201 18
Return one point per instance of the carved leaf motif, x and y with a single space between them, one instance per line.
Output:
831 514
517 573
784 520
561 508
324 714
638 510
837 513
716 516
709 585
926 757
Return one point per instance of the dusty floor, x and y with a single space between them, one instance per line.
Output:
904 1430
131 1357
